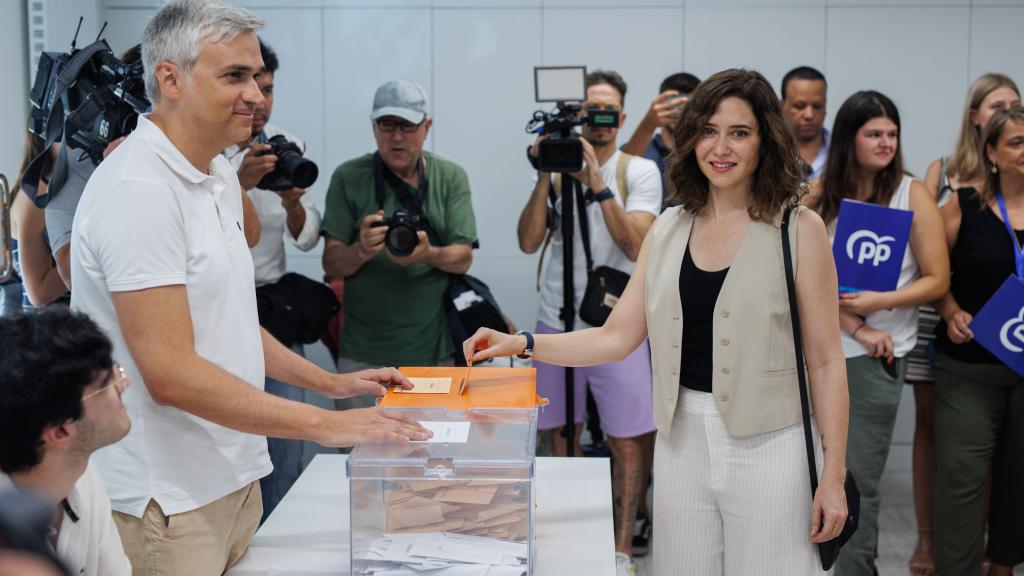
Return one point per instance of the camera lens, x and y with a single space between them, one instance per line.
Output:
301 171
401 239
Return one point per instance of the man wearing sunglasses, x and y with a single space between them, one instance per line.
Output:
60 400
393 303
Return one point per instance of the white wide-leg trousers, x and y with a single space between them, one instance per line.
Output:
727 506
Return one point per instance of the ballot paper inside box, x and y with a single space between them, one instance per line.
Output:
463 506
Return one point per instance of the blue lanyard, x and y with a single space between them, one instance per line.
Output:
1018 254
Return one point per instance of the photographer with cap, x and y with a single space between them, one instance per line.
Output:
162 265
289 214
394 284
623 197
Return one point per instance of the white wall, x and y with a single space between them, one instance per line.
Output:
14 95
475 58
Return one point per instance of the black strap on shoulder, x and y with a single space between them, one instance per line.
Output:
55 126
798 345
413 203
581 210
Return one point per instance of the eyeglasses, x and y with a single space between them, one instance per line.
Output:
392 125
117 378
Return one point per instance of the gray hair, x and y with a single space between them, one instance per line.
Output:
177 32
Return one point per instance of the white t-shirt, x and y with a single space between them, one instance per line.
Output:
644 183
901 323
268 256
88 542
149 218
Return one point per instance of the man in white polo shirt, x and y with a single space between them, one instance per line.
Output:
161 263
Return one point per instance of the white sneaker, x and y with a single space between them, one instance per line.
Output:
624 565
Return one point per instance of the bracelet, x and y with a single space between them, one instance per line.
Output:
854 333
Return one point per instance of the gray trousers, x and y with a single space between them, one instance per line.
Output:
874 401
977 429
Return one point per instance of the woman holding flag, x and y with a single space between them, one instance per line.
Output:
879 328
980 409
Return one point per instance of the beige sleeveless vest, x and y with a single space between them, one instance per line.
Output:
754 379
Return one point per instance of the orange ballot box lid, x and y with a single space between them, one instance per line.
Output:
448 387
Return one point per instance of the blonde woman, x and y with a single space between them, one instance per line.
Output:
962 169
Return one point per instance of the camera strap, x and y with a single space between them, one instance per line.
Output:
413 203
55 124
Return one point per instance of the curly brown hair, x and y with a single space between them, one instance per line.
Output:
777 181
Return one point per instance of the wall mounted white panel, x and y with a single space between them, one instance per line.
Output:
483 96
994 36
376 3
125 27
488 4
769 40
876 4
769 4
644 45
612 24
14 98
362 50
296 35
885 50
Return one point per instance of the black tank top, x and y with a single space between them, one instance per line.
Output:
698 291
980 262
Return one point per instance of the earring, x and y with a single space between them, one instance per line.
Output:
995 169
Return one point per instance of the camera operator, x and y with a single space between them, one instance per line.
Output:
393 302
618 221
60 400
289 213
161 263
652 138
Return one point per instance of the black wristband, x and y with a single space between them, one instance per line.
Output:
600 196
528 350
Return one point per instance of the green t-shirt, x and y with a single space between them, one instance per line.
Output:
394 315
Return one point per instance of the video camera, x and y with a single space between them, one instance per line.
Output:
564 85
100 96
84 99
292 170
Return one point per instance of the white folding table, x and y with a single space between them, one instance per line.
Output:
308 532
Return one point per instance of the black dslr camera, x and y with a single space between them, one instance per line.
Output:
563 151
292 170
87 98
402 235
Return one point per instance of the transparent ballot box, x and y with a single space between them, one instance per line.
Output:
460 504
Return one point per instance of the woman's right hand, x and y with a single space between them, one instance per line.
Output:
878 342
957 327
487 343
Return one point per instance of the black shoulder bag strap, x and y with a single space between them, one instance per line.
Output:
581 210
805 410
827 551
414 205
55 131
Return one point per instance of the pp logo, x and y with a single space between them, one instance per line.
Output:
1011 335
873 248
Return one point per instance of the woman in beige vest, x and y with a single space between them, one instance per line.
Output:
731 483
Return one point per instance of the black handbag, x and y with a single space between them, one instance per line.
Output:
295 308
604 284
827 551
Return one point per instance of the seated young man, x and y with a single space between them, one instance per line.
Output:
60 400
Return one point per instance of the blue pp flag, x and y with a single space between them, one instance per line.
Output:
999 325
869 245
